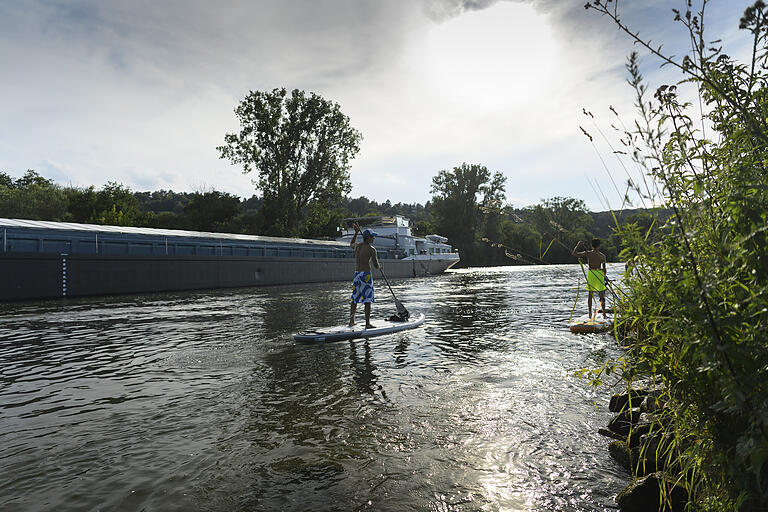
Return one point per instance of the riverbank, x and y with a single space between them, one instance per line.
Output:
643 445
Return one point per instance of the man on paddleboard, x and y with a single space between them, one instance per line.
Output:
362 284
596 275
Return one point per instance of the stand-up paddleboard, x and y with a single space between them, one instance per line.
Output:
587 324
345 332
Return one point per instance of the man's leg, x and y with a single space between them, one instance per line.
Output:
352 308
589 303
368 315
602 302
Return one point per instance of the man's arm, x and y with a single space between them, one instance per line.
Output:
574 253
354 238
374 259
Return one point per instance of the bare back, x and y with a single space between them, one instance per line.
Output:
364 253
595 259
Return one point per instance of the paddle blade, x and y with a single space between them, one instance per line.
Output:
401 311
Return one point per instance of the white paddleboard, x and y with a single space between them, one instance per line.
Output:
345 332
585 324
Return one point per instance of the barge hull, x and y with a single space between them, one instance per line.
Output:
25 276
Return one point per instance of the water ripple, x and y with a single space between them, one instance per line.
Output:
201 401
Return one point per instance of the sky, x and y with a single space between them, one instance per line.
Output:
141 92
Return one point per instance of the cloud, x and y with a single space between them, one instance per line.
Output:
441 10
142 92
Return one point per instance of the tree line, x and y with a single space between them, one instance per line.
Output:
467 207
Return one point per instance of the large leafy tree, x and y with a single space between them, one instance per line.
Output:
462 199
210 211
113 205
300 146
560 223
31 197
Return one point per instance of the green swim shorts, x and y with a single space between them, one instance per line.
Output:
595 281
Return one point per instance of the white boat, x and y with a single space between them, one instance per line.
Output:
430 254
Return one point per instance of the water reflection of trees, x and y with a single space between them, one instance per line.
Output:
364 370
306 409
469 315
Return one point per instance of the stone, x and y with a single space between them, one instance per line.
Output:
653 454
620 401
622 422
644 495
646 424
621 453
610 433
652 402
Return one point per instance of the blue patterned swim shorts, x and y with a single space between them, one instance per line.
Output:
362 288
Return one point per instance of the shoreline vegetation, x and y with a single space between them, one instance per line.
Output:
693 426
539 234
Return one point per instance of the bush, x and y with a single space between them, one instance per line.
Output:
695 304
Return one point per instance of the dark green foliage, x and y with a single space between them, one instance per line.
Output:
422 228
6 181
211 211
564 220
32 197
463 199
35 197
362 206
696 294
300 146
163 201
166 220
543 233
113 205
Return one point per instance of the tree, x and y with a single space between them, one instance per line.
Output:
163 201
210 211
461 200
82 204
31 197
113 205
560 222
360 206
300 147
6 181
422 228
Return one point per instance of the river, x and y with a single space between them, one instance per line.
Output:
201 401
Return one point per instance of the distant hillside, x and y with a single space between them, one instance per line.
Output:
603 224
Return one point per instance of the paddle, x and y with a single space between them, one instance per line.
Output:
402 313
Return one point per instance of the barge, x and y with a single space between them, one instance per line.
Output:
42 259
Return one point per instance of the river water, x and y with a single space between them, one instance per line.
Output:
201 401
